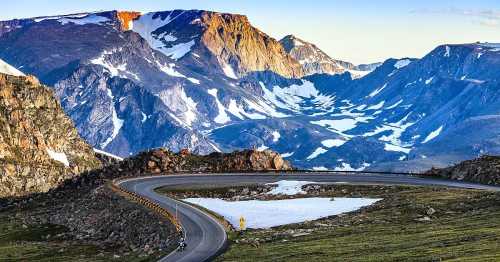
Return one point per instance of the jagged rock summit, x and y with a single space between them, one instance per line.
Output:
315 61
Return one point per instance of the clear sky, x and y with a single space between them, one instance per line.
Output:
359 31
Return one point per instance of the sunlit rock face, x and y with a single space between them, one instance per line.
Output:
39 145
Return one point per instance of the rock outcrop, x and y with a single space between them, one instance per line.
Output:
236 43
39 145
163 161
126 18
484 170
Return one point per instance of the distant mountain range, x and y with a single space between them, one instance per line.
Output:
210 81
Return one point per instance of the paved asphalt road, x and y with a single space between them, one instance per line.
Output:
206 238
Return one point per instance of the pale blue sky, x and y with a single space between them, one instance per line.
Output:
357 31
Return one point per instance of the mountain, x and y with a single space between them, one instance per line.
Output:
210 81
315 61
39 145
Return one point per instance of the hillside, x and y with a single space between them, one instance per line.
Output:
39 145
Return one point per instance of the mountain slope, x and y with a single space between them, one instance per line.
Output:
39 146
209 81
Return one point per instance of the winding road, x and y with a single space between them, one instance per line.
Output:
206 237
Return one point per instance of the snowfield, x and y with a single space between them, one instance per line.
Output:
9 70
286 187
272 213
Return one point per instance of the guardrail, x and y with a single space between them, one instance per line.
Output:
147 203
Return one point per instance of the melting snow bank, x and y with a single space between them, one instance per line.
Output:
271 213
285 187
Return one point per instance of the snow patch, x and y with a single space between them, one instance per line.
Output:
179 50
402 63
288 187
107 154
228 70
276 136
90 19
9 70
222 117
329 143
59 157
447 51
316 153
271 213
433 135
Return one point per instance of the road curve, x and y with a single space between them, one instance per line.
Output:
206 238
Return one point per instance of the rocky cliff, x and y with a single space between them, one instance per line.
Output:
236 43
484 170
39 145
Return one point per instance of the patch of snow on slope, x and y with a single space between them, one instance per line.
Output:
447 51
239 111
347 167
378 90
377 106
395 148
107 154
178 102
262 148
170 70
179 50
329 143
288 187
262 107
117 122
339 124
276 136
193 80
428 81
90 19
395 104
59 157
9 70
316 153
288 154
112 69
402 63
228 70
433 135
222 117
271 213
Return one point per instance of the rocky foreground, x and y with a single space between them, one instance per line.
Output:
484 170
93 214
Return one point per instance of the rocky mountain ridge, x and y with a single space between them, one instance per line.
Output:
39 146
